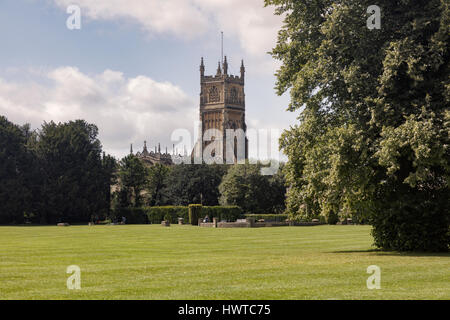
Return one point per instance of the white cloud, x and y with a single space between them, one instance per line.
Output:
125 110
249 21
178 17
254 25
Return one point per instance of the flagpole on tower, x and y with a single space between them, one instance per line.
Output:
222 46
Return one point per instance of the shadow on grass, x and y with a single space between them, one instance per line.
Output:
380 252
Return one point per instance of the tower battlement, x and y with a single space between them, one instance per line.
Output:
222 90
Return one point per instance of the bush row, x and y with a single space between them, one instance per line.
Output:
155 215
227 213
133 215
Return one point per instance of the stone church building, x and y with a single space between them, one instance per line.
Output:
222 109
151 158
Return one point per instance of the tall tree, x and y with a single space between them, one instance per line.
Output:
132 177
15 195
244 186
73 176
374 133
109 165
157 182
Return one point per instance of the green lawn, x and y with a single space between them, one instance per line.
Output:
186 262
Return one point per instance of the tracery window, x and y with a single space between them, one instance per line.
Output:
233 95
214 95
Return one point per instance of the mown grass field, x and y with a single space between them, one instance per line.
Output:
186 262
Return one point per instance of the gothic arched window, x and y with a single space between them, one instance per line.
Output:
214 95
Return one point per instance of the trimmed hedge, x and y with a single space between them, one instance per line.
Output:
133 215
195 212
228 213
155 215
268 217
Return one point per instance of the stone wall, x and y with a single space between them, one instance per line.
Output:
234 225
206 224
250 223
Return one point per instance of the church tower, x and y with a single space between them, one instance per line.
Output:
222 107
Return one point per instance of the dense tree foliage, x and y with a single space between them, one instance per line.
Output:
14 173
244 186
373 138
210 185
187 184
73 175
132 177
54 174
157 182
110 165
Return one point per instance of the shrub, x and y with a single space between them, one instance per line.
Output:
133 215
157 214
195 212
228 213
268 217
332 218
413 224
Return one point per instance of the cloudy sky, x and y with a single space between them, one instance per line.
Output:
133 67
